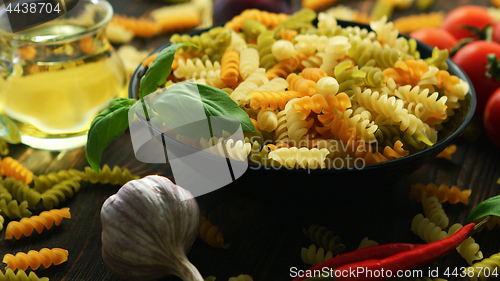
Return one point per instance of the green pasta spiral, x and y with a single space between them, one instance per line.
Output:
387 135
58 193
44 182
5 194
212 43
265 42
438 58
374 76
252 29
20 275
13 210
324 238
300 20
116 176
21 191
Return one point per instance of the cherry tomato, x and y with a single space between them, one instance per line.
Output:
469 15
492 117
496 32
435 37
472 58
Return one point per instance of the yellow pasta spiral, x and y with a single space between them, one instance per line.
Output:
211 235
12 168
271 99
484 269
270 20
21 275
21 191
116 176
323 103
230 68
34 259
58 193
13 210
27 225
442 192
304 87
434 211
312 256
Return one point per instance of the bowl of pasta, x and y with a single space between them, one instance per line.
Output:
331 101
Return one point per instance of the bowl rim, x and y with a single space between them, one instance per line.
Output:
439 146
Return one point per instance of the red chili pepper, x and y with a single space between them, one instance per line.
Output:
373 252
402 261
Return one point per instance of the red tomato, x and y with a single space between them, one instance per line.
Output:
496 32
469 15
436 37
472 58
492 117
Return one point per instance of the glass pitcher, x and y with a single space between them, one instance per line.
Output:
57 76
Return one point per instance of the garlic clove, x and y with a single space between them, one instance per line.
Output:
148 226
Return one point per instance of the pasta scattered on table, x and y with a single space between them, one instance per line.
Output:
211 235
312 256
20 275
447 152
26 225
444 193
34 259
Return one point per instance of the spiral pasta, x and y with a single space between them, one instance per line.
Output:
271 99
45 220
270 20
434 211
34 259
14 210
303 86
367 243
20 275
282 69
444 193
141 27
313 257
116 176
267 120
43 182
484 269
238 150
265 42
194 68
315 60
447 152
249 62
436 105
58 193
324 238
304 157
282 49
261 156
412 23
230 68
241 277
430 232
10 167
211 235
21 191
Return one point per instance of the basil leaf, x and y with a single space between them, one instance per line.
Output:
105 127
186 108
159 70
489 207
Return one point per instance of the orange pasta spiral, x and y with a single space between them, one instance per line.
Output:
12 168
271 99
270 20
326 104
230 68
407 72
141 27
313 73
211 235
397 152
288 34
34 259
303 86
443 193
282 69
444 78
27 225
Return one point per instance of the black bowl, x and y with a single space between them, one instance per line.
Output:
286 181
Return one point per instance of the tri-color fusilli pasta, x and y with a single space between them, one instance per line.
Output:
20 275
367 90
211 235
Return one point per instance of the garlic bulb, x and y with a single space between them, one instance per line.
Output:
147 228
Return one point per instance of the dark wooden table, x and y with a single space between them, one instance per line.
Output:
264 233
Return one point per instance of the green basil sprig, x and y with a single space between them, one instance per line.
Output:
113 121
489 207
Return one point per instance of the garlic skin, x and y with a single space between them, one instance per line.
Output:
147 228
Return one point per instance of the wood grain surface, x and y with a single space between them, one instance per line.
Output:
264 232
